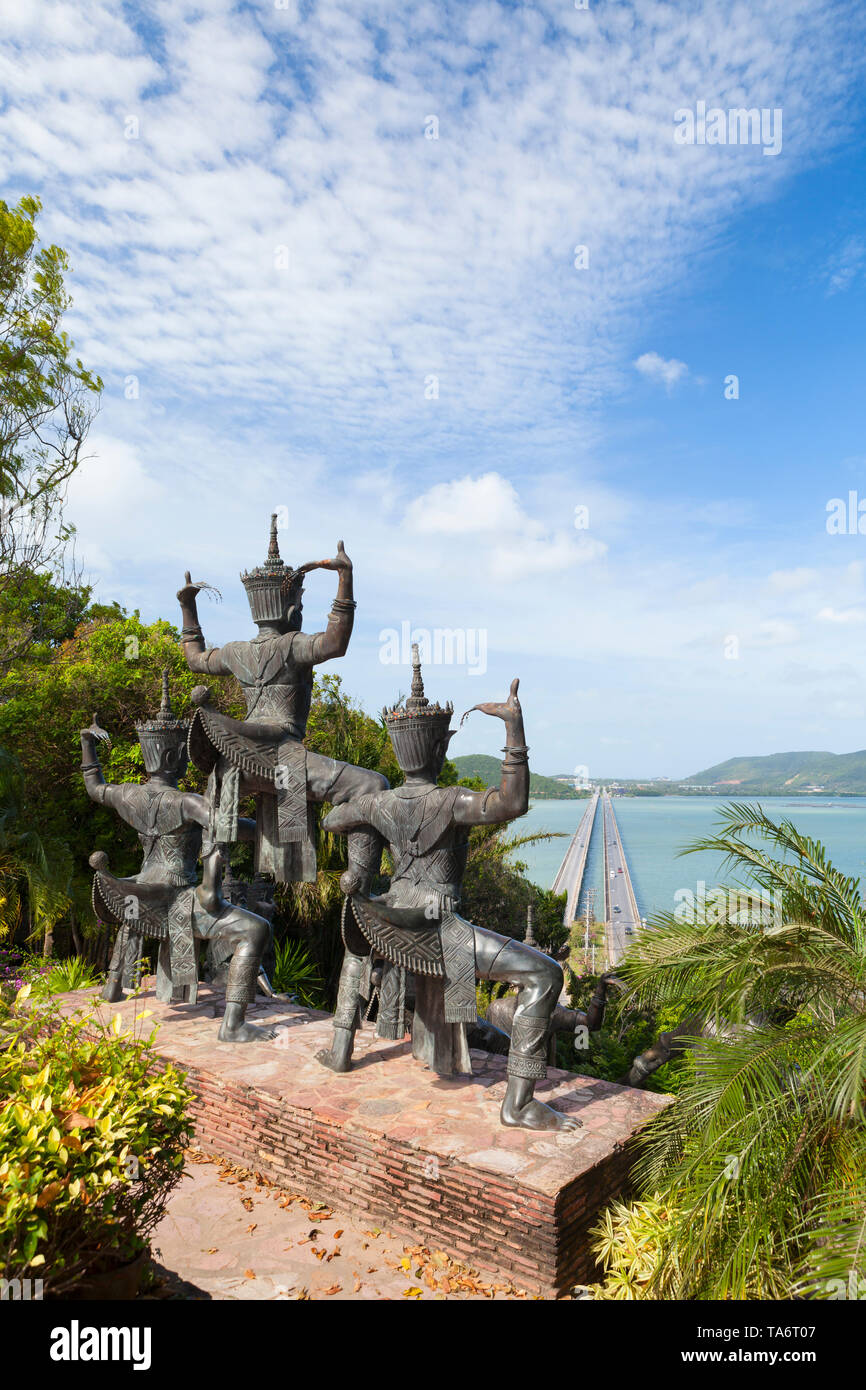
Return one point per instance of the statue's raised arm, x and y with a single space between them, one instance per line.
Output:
334 641
198 658
511 797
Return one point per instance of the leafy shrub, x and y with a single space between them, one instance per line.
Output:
62 976
91 1144
628 1240
17 969
45 976
296 973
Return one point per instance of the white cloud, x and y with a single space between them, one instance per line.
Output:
666 370
488 508
406 257
844 615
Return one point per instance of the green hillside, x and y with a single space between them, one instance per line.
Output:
788 772
489 770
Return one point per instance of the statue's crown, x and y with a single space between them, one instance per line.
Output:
270 585
163 731
417 706
414 727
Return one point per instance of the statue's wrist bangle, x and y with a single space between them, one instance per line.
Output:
515 757
188 633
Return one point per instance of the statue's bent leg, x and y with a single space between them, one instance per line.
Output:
248 935
330 780
347 1015
539 985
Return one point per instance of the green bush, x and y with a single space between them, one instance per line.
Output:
92 1144
296 973
628 1240
65 975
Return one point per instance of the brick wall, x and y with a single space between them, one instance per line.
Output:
489 1222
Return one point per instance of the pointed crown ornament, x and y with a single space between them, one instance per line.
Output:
416 726
162 733
274 587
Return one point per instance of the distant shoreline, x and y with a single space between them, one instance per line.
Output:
731 793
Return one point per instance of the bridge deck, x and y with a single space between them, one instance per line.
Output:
569 878
618 889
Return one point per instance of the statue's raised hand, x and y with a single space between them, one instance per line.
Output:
95 732
192 588
504 709
340 561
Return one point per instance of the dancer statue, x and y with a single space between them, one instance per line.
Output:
164 900
264 755
416 927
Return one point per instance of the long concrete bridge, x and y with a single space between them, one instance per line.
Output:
621 915
569 878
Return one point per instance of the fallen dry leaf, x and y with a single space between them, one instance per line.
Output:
249 1274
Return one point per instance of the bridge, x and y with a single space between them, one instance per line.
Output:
621 915
569 878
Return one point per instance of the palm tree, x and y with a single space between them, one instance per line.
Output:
762 1157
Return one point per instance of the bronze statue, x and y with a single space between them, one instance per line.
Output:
416 927
164 900
263 755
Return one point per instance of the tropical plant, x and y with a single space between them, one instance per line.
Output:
296 973
92 1139
628 1240
764 1149
63 976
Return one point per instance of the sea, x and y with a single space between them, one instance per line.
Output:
654 829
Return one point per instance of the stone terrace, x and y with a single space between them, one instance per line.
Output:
393 1142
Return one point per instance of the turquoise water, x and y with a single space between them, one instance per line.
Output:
653 829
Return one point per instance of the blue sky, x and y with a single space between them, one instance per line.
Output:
297 300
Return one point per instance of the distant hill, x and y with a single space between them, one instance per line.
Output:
837 773
490 770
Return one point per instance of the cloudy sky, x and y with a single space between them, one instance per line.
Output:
444 281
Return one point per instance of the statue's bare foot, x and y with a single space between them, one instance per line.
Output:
334 1059
338 1057
244 1032
534 1115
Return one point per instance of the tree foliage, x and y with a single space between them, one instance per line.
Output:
47 401
764 1151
